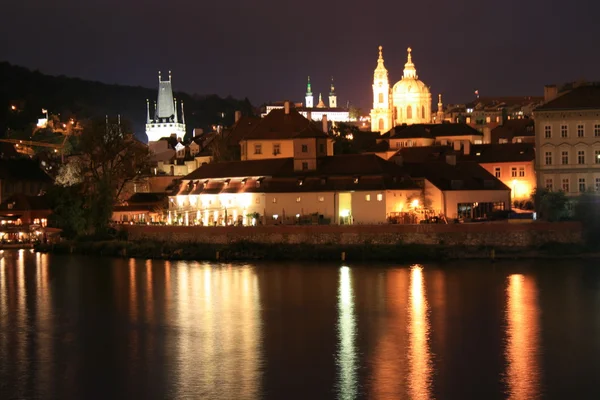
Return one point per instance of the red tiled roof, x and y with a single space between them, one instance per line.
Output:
509 152
279 125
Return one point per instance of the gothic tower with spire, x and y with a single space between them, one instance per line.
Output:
309 95
166 121
381 114
332 96
439 117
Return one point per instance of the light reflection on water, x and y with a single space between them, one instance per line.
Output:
347 355
419 356
74 327
522 338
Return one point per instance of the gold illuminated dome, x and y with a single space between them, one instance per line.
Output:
410 82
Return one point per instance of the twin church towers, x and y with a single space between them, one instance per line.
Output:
407 102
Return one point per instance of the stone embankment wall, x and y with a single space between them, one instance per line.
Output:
479 234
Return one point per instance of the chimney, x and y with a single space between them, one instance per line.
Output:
238 115
325 125
198 131
451 159
467 148
286 107
309 115
550 93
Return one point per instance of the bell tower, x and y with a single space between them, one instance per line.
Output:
309 95
332 96
381 114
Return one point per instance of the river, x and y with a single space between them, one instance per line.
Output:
74 327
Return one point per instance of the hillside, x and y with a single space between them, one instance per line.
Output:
30 91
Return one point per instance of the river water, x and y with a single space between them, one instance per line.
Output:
73 327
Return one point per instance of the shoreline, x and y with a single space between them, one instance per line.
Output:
247 251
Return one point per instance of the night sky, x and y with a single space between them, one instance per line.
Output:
264 49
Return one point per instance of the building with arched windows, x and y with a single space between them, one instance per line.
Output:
407 102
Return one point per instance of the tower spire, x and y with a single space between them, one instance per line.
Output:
147 111
159 76
309 99
169 76
440 110
409 68
175 109
182 114
332 96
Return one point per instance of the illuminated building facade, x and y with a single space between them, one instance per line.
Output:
166 121
407 102
567 139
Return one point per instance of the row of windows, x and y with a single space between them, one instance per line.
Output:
409 112
298 199
564 131
565 184
322 198
514 172
564 157
277 148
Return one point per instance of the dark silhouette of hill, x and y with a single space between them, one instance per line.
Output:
30 91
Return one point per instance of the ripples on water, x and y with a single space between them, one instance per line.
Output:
74 327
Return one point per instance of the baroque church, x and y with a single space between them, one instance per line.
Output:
407 102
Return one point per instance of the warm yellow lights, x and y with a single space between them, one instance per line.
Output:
415 203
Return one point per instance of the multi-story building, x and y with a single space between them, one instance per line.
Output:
567 139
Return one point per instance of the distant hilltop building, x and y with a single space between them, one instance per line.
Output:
165 122
407 102
330 111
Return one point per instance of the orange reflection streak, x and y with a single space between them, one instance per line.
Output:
218 314
3 294
45 327
132 291
419 357
149 293
522 315
389 369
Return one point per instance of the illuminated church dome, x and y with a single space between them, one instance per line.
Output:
411 98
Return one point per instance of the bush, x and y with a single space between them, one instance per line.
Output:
587 211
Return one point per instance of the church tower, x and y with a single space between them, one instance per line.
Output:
309 95
166 122
381 114
332 96
439 117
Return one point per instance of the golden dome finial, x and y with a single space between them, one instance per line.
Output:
380 52
409 55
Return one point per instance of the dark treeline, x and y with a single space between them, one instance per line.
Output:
30 91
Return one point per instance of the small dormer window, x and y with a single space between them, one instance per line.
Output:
244 181
226 182
356 180
300 182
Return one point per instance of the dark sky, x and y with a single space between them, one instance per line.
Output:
263 49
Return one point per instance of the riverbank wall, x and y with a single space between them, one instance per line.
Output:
499 235
395 243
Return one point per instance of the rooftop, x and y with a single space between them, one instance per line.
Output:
586 97
431 131
279 125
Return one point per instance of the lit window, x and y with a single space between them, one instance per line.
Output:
298 199
565 185
257 149
549 184
548 158
368 197
597 157
581 157
547 131
597 130
274 199
321 199
488 119
580 132
564 157
513 172
380 197
582 184
521 172
497 172
564 131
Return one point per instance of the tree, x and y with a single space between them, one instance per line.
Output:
221 151
587 211
68 212
551 206
110 157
